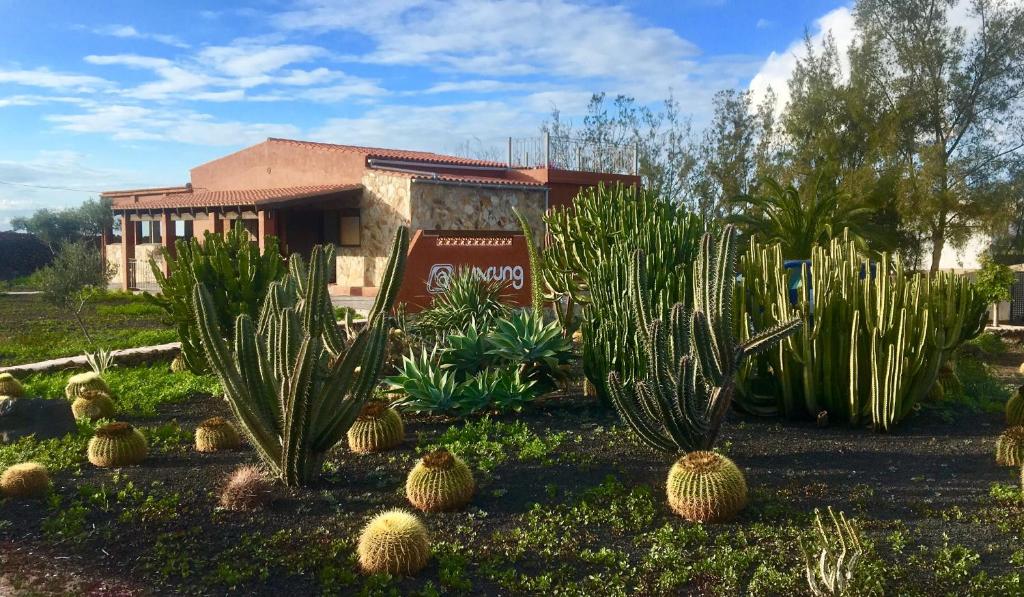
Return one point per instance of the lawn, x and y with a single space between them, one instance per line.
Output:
567 503
32 330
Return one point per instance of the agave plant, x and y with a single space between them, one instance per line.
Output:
467 299
539 349
502 390
294 383
423 386
467 354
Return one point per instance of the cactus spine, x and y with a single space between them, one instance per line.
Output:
117 444
1015 408
85 382
439 482
215 434
247 489
395 542
291 378
682 398
25 480
1010 447
706 487
10 386
92 404
376 429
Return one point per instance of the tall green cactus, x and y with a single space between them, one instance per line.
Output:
689 369
295 385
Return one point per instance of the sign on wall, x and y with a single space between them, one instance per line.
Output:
435 256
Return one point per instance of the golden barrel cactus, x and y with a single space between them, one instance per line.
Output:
439 482
706 487
10 386
93 404
217 433
376 429
247 489
117 444
395 542
1015 408
83 382
178 364
25 480
1010 447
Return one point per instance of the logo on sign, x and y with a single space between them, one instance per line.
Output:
441 275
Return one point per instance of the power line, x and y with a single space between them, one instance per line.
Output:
36 186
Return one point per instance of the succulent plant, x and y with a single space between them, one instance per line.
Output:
1015 408
1010 447
92 404
178 364
440 481
1021 369
25 480
830 569
395 542
117 444
247 489
376 429
706 487
85 381
217 433
10 386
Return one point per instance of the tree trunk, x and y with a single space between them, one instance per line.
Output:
938 243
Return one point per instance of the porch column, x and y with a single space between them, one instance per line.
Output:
127 247
267 219
167 240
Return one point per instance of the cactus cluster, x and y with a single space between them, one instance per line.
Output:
706 487
1010 447
295 384
215 434
394 542
440 482
92 404
376 429
10 386
116 445
85 382
25 480
248 488
1015 408
830 571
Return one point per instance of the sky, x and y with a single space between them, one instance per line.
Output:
121 94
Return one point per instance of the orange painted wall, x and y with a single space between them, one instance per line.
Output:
564 185
278 165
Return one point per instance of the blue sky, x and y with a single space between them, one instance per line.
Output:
135 93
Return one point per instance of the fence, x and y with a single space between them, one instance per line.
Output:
569 153
140 276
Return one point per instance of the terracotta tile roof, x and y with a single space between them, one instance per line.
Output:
147 199
474 179
392 154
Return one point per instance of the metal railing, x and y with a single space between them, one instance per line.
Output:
569 153
140 276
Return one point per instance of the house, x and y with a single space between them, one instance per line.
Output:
307 193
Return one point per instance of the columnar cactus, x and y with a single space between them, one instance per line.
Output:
247 489
706 487
92 404
1015 408
376 429
439 482
830 570
294 384
25 480
682 398
82 382
116 445
10 386
1010 447
394 542
217 433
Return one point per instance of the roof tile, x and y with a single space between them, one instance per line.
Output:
241 198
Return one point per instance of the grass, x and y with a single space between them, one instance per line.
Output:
34 330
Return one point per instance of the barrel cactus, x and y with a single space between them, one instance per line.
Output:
85 382
376 429
247 489
178 365
394 542
25 480
10 386
1015 409
440 481
1010 447
117 444
92 404
706 487
217 433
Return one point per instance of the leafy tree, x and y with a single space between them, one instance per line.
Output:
76 274
994 280
56 227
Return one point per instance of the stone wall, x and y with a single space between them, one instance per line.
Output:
383 207
451 207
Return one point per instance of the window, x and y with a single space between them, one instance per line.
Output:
351 229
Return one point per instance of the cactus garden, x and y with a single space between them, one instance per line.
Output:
672 415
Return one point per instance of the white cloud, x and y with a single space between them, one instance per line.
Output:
44 77
764 24
36 100
249 60
129 32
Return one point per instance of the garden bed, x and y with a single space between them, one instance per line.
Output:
567 501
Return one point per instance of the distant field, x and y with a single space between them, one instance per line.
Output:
31 330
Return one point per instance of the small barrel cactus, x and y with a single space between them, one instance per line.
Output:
395 542
178 364
1021 369
377 428
217 433
83 382
247 489
25 480
1010 447
117 444
706 487
1015 408
10 386
440 481
92 404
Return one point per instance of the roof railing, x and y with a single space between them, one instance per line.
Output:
568 153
